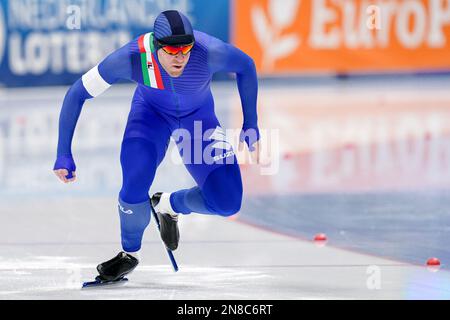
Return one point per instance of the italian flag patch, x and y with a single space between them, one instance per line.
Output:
150 70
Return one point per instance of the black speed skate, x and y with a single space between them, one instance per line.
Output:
113 272
117 268
168 224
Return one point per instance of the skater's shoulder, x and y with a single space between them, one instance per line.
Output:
133 45
205 40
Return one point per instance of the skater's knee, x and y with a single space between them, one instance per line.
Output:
133 195
223 191
226 203
139 162
228 209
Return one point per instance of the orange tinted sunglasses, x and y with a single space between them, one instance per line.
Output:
174 50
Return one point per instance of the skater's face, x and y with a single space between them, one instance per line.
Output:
173 64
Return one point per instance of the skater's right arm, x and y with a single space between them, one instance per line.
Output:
114 67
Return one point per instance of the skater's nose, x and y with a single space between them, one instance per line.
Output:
179 57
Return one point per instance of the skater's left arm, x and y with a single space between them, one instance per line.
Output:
225 57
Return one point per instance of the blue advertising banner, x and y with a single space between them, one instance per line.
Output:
53 42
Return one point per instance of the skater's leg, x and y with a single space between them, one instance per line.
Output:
138 162
144 146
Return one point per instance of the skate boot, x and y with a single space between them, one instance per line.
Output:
117 268
168 223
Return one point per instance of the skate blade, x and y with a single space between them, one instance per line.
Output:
100 283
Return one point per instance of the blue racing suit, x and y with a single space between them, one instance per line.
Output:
164 106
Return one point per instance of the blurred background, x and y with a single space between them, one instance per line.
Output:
354 106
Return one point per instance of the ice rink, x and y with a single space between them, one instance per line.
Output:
364 160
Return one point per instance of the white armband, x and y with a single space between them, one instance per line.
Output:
93 82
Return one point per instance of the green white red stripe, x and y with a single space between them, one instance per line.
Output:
150 69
